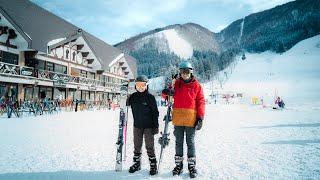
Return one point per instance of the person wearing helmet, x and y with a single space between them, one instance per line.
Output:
279 102
145 114
187 115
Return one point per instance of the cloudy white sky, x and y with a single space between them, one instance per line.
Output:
116 20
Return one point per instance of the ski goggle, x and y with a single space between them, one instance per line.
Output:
185 71
141 84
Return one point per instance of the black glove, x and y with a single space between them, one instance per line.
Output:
168 92
175 76
155 131
198 124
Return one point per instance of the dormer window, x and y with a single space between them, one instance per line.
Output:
3 30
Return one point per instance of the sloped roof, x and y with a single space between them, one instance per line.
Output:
40 26
132 62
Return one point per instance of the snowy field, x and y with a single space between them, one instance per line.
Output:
236 142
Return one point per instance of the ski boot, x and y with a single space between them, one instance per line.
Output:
179 165
192 167
136 163
153 165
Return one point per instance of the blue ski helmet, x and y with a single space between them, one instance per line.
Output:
185 65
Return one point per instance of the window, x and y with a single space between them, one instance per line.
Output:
73 56
28 92
59 93
102 78
9 58
30 62
36 92
83 73
39 64
91 96
91 75
85 95
67 54
77 95
60 69
75 72
2 89
47 90
50 66
98 77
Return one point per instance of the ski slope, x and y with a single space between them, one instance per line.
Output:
177 44
169 41
293 75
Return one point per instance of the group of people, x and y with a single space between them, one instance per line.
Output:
187 117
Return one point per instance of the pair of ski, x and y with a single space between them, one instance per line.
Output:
122 129
123 121
164 138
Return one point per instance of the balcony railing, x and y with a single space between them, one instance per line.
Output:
11 69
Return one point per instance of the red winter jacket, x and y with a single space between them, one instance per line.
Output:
189 103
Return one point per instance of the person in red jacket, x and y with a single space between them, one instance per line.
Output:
187 115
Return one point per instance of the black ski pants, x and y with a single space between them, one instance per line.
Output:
179 132
148 134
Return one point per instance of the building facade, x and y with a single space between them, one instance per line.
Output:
41 53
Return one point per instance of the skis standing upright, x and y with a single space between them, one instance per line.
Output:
122 125
164 139
125 134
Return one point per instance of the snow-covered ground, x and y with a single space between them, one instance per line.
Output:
238 141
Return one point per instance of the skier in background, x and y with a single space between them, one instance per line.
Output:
279 102
188 113
145 114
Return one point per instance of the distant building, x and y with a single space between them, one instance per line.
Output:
40 51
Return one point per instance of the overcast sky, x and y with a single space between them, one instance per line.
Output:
116 20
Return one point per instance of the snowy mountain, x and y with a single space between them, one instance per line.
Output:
178 39
276 29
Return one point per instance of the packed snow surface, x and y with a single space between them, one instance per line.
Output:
237 141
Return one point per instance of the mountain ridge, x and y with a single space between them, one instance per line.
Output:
276 29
